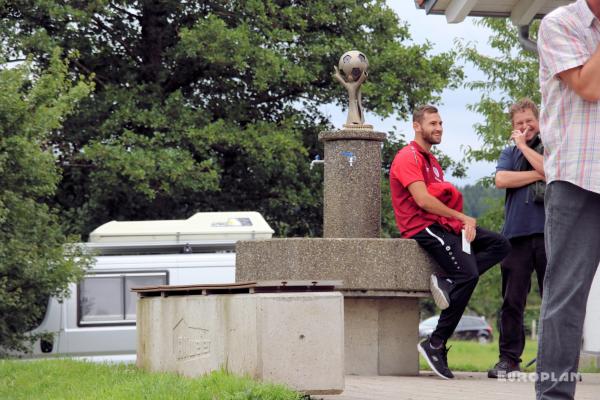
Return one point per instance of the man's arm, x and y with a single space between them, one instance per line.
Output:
585 79
535 159
516 179
432 205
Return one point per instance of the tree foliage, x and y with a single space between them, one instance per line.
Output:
33 263
478 199
213 105
511 75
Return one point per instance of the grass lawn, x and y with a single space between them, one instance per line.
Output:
68 379
472 356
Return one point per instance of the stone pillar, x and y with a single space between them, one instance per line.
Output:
381 336
352 187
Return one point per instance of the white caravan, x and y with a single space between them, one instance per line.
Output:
98 319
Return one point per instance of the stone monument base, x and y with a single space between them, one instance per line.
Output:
382 282
381 336
365 127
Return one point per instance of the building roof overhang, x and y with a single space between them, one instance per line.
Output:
521 12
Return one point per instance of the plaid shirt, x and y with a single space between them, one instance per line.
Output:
570 125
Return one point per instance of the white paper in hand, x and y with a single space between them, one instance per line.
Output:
466 246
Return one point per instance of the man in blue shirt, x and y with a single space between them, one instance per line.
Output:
520 171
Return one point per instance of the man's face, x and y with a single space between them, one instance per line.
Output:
430 128
526 120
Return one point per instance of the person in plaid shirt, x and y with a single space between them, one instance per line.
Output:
569 51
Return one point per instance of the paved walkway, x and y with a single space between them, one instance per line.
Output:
465 386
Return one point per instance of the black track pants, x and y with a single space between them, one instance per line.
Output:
488 249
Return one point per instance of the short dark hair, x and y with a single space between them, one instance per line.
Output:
522 105
420 112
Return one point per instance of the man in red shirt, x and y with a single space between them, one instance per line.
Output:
419 194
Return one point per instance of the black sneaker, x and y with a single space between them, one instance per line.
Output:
504 369
436 358
440 289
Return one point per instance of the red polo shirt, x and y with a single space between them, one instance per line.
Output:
412 164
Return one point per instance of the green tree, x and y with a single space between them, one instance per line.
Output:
213 105
33 262
511 75
479 198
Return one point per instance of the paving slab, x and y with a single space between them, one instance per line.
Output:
466 385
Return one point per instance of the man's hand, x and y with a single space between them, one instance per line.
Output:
519 137
469 225
541 177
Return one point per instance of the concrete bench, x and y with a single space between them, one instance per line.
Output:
382 282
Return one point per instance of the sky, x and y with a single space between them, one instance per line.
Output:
458 120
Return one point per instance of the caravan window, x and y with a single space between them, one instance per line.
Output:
107 299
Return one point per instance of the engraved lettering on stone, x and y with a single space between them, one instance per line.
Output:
190 342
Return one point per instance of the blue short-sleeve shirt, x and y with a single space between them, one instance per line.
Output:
522 217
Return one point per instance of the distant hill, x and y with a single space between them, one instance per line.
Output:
478 199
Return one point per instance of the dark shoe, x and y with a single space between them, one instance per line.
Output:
440 289
436 358
504 369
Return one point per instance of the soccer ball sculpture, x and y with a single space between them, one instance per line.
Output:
353 64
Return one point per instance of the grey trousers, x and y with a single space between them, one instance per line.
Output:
572 236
